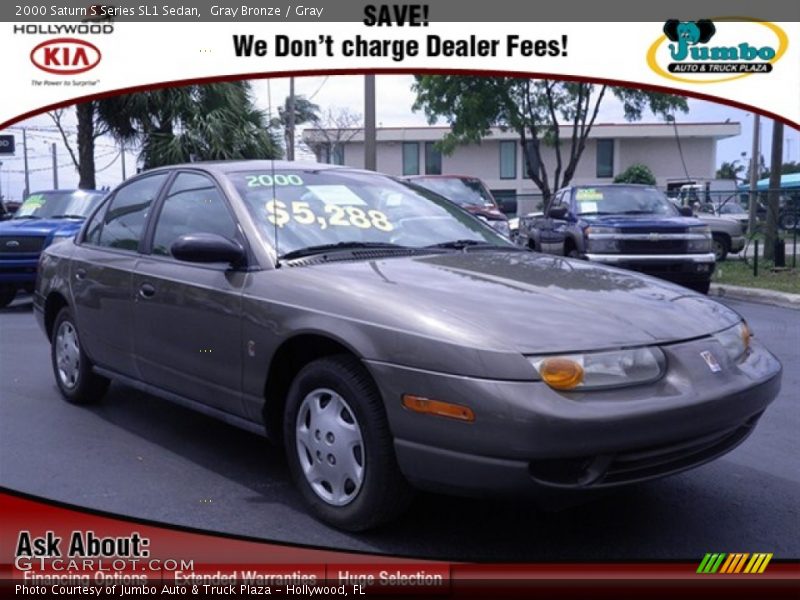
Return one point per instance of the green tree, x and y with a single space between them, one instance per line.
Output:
216 121
90 127
637 173
731 170
559 114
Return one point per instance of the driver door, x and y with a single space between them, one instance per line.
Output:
187 316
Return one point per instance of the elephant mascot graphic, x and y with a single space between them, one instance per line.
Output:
687 33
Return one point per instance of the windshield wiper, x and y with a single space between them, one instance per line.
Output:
27 217
310 250
464 244
67 216
595 213
638 212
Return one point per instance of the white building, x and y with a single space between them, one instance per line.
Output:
499 161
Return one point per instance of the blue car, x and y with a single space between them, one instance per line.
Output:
43 219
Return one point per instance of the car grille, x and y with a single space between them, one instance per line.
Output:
640 464
652 247
21 244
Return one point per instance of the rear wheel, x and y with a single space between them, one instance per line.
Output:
72 368
7 293
721 246
789 221
339 447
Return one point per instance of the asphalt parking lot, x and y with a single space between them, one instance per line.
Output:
138 456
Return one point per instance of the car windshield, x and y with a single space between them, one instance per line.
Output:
622 200
463 191
732 208
58 205
306 209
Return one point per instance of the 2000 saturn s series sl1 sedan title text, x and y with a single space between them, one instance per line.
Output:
392 340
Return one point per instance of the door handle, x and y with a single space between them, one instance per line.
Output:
80 274
146 290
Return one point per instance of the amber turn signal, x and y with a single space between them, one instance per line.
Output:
561 373
427 406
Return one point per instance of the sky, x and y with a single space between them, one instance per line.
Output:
393 99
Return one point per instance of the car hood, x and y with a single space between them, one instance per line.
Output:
43 227
500 300
649 221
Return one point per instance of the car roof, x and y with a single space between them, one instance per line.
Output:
69 191
232 166
412 177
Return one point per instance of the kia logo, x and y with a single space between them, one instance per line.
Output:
65 56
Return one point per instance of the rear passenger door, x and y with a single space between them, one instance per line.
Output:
187 316
101 272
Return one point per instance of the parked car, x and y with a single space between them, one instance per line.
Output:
727 235
390 341
630 226
470 193
43 219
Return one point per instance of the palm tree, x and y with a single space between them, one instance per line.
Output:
216 121
730 170
305 111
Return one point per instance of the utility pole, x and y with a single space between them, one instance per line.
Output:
1 183
290 122
370 157
27 190
774 194
55 167
754 162
122 154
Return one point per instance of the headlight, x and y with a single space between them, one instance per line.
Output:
57 239
735 340
597 370
601 239
501 226
700 244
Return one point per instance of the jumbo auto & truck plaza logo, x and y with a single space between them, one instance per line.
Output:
706 51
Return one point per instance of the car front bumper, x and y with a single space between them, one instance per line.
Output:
529 438
737 244
680 268
18 271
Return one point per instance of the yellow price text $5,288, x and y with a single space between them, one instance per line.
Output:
280 213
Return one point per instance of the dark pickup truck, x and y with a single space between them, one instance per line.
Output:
629 226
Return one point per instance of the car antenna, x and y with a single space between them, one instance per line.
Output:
274 215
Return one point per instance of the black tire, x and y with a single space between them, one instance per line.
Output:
384 493
7 294
700 286
87 387
573 253
721 245
789 221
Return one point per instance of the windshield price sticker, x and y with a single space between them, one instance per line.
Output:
588 195
31 205
279 213
278 180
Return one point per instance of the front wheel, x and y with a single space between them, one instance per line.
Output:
72 368
721 247
339 447
700 286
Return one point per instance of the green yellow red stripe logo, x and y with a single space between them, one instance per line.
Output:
734 563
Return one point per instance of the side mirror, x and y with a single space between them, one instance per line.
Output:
685 211
558 212
207 248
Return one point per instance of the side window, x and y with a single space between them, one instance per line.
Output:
124 220
95 226
193 205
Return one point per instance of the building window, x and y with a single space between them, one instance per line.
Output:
337 154
605 158
433 159
410 158
533 157
331 153
508 160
